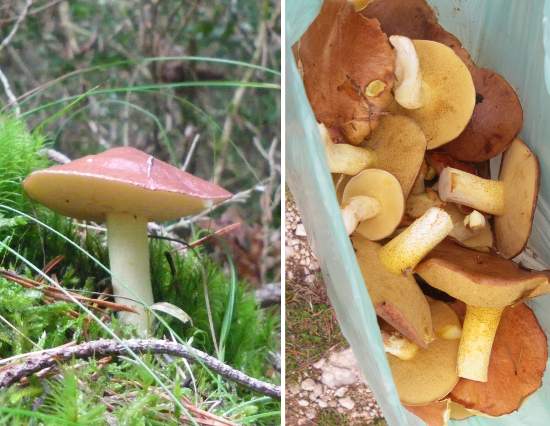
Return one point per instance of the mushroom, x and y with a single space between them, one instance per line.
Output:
431 374
517 365
434 414
439 94
348 68
403 252
126 188
397 299
512 199
372 204
397 344
343 158
399 145
487 283
495 123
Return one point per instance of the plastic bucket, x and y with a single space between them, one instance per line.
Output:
509 36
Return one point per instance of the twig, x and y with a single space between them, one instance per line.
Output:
55 156
9 93
222 231
104 347
15 27
190 152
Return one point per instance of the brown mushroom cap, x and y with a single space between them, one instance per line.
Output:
518 361
432 373
396 298
384 188
341 53
448 93
439 160
520 173
121 180
479 279
497 119
399 144
434 414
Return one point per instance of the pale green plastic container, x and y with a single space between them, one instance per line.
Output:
510 36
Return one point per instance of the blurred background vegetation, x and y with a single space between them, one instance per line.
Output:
194 83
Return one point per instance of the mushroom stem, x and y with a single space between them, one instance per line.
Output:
406 250
358 209
408 89
398 345
478 333
129 261
344 158
470 190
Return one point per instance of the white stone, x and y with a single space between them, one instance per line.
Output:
344 359
289 251
293 388
340 392
334 377
347 403
319 364
310 414
300 230
322 403
303 403
308 385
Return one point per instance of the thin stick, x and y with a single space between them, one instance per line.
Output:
15 27
104 347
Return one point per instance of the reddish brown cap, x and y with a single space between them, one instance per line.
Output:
121 180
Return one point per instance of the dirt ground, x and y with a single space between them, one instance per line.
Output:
323 385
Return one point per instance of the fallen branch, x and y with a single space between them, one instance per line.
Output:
101 348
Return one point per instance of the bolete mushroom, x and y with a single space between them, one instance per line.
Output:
126 188
517 365
403 252
372 204
512 198
434 414
487 283
495 123
399 145
431 374
397 299
348 68
433 87
343 158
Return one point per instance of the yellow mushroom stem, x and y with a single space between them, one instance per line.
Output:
464 188
406 250
358 209
478 333
408 87
359 5
343 158
466 227
398 345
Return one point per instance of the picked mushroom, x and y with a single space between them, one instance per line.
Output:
343 158
435 413
126 188
517 365
397 344
439 95
372 204
397 299
487 284
399 145
348 69
512 198
406 250
431 374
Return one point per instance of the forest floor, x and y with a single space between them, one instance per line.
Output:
324 386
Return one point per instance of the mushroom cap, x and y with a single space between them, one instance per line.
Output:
448 93
385 188
432 373
121 180
434 414
400 145
341 53
497 119
397 299
479 279
520 173
518 361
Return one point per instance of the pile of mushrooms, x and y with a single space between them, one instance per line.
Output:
408 123
125 188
